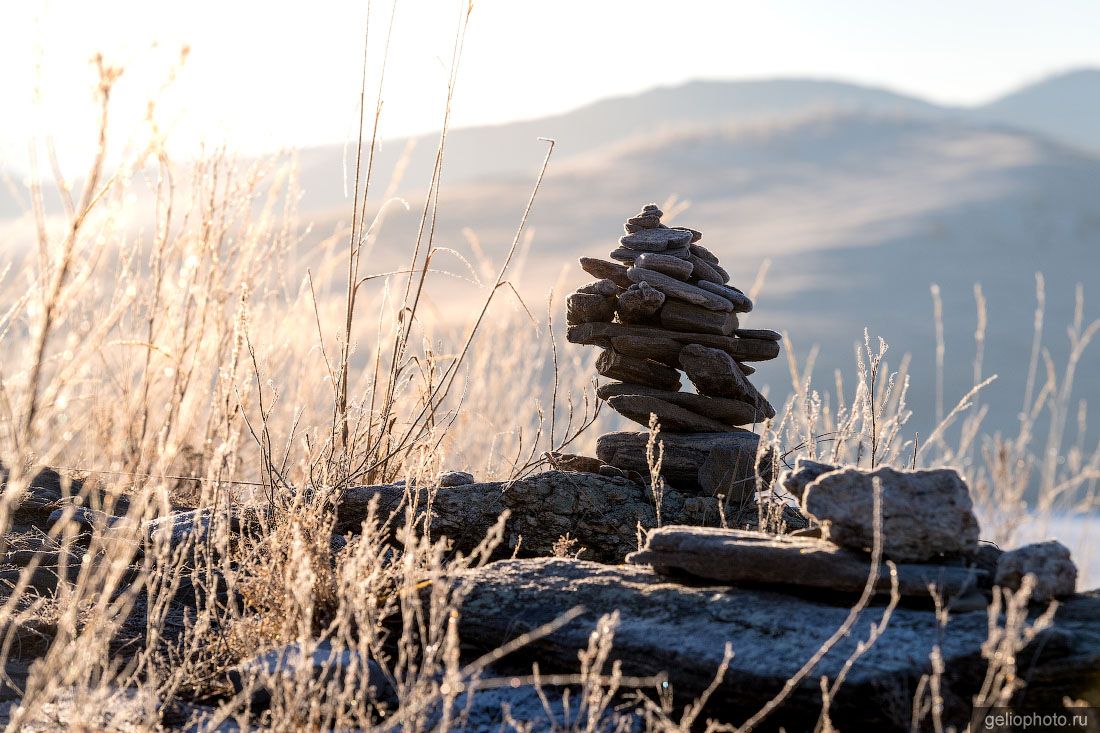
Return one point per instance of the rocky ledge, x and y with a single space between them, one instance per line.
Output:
681 630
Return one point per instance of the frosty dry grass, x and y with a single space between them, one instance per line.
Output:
194 365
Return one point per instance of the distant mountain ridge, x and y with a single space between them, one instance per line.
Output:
512 149
1065 108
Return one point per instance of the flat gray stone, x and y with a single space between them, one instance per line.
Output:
647 218
639 303
703 253
601 512
601 287
176 527
670 265
589 308
753 350
925 514
614 365
641 223
600 334
695 235
684 453
763 334
715 373
606 271
1050 563
739 301
655 240
663 350
679 316
674 288
631 257
739 556
730 412
461 513
83 518
670 417
623 255
573 462
703 270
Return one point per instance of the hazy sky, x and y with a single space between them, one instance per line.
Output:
263 75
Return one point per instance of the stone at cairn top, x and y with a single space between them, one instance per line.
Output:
666 309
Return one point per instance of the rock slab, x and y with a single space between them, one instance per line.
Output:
680 290
670 417
600 334
681 631
730 412
614 365
737 556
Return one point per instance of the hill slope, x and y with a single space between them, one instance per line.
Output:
488 152
1064 107
858 215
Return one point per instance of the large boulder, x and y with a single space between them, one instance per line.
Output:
462 513
685 454
925 514
599 514
1049 562
681 631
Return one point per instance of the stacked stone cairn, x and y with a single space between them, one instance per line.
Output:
665 305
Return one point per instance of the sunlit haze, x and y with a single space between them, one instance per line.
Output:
263 76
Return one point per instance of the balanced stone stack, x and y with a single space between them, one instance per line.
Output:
664 306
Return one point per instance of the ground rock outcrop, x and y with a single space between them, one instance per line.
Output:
681 630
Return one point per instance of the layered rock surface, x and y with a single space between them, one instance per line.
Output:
668 308
681 630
